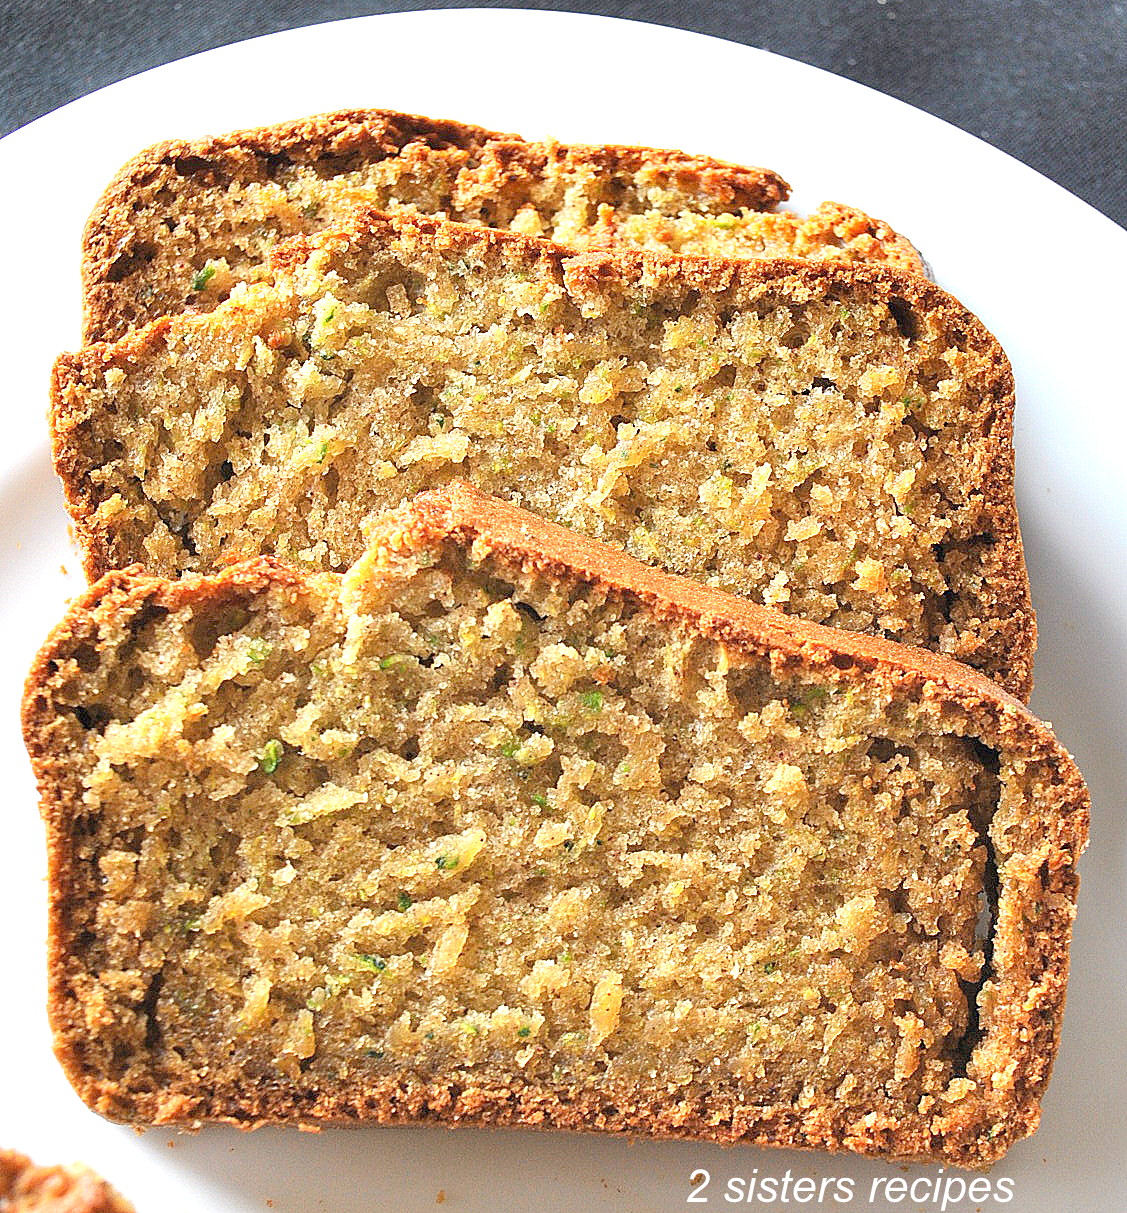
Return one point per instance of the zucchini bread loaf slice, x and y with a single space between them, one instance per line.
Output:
185 221
501 826
833 440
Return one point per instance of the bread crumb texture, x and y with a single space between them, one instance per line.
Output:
184 223
452 836
832 442
27 1188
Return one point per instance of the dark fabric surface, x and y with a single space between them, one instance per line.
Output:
1045 80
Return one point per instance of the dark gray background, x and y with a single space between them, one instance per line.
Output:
1045 80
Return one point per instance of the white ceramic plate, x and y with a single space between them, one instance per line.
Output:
1044 270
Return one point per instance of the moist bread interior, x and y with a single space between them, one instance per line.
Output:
458 820
834 443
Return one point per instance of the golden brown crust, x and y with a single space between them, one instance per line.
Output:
873 238
27 1188
1001 558
468 515
96 544
1036 845
347 138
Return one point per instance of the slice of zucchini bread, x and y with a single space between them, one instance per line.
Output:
27 1188
833 440
185 221
503 827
